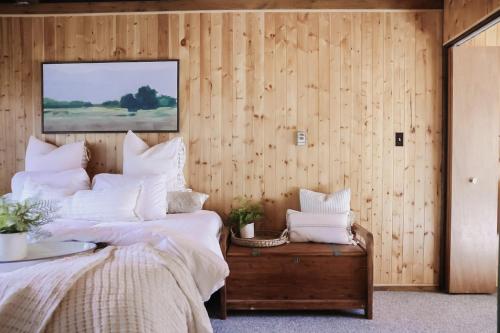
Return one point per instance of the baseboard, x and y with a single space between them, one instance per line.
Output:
408 287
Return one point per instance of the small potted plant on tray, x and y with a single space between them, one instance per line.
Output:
16 219
245 215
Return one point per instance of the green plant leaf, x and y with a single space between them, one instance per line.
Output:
245 212
24 216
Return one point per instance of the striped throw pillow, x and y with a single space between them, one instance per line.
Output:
321 203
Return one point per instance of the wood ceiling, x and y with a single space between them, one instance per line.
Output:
81 7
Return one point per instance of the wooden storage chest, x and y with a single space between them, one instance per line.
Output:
302 276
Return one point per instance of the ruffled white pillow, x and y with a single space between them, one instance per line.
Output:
43 156
166 158
185 202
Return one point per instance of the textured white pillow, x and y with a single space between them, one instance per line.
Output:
112 204
72 180
320 228
164 158
34 190
151 204
43 156
320 203
185 202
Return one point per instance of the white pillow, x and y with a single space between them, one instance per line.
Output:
72 180
151 204
185 202
34 190
112 204
164 158
320 203
320 228
43 156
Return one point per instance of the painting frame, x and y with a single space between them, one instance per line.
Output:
42 90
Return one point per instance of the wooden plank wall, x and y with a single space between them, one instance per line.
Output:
489 37
248 81
461 15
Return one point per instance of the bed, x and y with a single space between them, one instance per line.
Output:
157 267
153 276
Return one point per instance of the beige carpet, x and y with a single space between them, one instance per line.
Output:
397 312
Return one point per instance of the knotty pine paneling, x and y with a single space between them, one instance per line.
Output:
249 81
461 15
489 37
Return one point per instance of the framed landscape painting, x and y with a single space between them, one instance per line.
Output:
100 97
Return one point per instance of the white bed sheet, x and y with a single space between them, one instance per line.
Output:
203 226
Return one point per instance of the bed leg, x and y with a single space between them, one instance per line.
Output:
222 305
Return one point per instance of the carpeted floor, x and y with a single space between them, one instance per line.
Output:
396 312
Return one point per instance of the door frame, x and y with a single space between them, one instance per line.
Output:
446 82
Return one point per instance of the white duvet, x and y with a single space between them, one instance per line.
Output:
127 289
153 277
191 237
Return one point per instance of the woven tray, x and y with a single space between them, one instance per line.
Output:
263 238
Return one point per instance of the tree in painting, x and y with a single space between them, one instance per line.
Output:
129 102
146 97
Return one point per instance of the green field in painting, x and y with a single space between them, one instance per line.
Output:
99 118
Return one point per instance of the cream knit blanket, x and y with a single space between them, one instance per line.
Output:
119 289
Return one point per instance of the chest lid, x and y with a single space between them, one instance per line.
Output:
297 249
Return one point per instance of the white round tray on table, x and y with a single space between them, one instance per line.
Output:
46 251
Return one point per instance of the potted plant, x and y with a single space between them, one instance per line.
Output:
16 219
245 215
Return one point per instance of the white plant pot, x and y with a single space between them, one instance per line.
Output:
13 246
247 231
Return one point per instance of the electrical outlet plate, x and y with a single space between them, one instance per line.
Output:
301 138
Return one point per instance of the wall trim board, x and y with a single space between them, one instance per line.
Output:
214 5
248 82
415 287
231 11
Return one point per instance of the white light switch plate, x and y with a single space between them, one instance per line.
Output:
301 138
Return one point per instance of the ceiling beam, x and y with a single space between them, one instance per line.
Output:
209 5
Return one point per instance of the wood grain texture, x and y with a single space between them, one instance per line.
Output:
461 15
249 81
224 243
209 5
489 37
472 239
365 239
318 276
